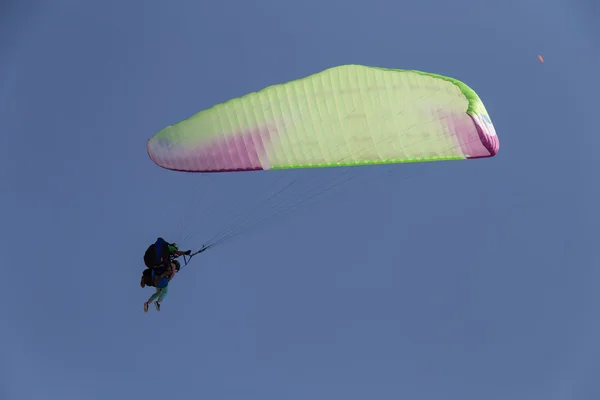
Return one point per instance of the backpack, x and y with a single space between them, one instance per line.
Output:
157 253
148 278
151 257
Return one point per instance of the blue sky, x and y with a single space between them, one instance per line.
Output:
345 300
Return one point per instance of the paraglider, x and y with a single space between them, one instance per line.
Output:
345 116
161 269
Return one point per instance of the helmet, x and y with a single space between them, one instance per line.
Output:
177 265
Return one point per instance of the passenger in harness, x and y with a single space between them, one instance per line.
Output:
159 278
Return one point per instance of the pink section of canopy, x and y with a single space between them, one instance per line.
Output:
238 151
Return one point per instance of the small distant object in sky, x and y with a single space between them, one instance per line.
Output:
540 58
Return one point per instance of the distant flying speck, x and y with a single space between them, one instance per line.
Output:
540 58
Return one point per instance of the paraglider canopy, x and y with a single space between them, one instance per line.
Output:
347 115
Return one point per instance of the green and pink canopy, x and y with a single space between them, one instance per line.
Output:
343 116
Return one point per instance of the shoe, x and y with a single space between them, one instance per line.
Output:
157 304
145 307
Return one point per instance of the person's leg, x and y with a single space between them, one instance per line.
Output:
154 296
161 296
151 299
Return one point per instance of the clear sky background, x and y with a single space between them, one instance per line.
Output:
457 280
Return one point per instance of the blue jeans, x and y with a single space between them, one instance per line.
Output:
160 294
